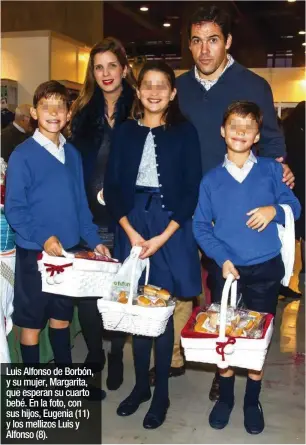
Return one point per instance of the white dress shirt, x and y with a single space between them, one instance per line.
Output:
240 173
18 127
57 152
207 84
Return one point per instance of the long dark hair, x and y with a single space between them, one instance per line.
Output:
172 114
90 84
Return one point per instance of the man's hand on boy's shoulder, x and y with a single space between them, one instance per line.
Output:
288 176
260 217
227 268
103 250
53 246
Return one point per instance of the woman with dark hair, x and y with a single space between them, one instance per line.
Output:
104 102
151 188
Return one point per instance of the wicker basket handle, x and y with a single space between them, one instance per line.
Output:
230 283
135 252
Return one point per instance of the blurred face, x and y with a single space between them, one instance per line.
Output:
155 92
3 103
26 123
240 133
209 49
108 72
51 114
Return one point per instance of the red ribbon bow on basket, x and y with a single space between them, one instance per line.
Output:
52 268
222 344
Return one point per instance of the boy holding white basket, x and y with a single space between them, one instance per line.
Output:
235 224
46 205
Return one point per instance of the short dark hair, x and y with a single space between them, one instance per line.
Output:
48 89
243 109
173 114
211 14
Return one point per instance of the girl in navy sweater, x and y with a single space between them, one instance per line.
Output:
151 187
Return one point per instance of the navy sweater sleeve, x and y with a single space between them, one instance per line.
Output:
192 175
284 195
17 210
112 191
88 230
272 142
203 229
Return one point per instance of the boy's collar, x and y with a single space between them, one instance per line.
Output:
43 140
251 158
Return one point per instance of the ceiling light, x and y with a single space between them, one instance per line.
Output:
291 1
302 32
144 8
304 44
167 25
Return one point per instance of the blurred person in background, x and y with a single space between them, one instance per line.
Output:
16 132
293 127
6 115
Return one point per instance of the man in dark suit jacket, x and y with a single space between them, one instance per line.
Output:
6 115
16 132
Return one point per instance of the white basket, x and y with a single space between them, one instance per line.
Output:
226 351
134 319
76 277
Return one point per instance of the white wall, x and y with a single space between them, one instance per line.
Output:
288 84
68 59
63 60
26 60
34 57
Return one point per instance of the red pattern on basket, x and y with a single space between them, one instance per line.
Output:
221 346
52 268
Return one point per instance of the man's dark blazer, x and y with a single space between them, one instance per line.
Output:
10 138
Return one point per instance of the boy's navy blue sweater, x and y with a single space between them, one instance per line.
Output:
47 198
205 110
226 202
